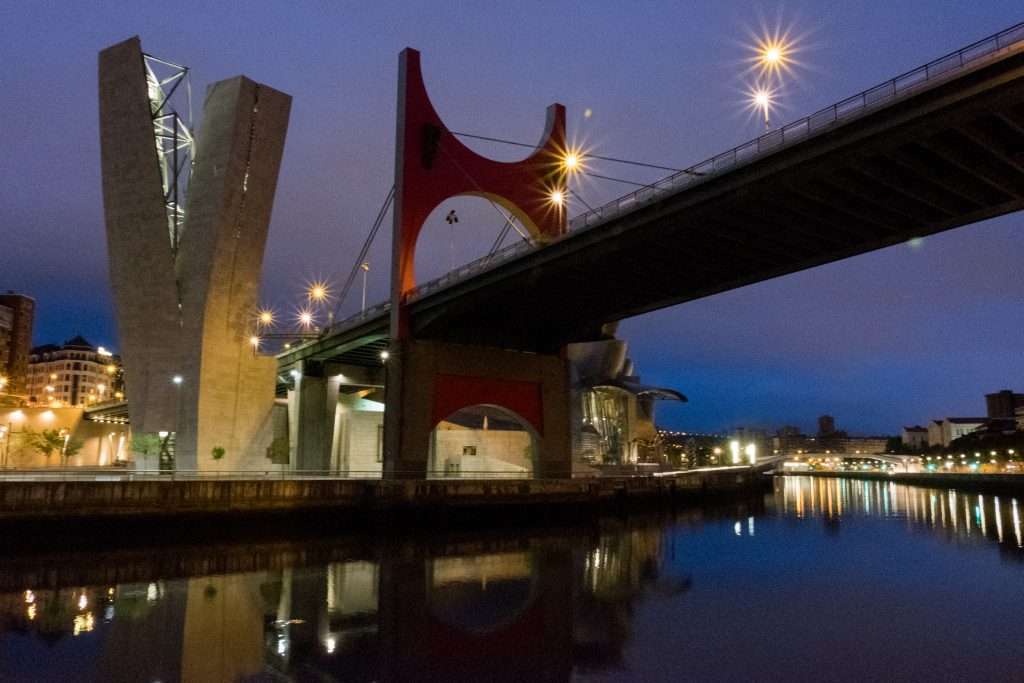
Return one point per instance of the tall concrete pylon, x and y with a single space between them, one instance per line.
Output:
186 282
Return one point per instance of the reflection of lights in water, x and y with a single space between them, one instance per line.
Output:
31 612
329 644
931 508
282 644
738 528
151 592
981 514
30 597
1016 523
750 525
83 601
967 516
999 520
952 508
108 613
83 623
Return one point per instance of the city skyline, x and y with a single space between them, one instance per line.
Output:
830 340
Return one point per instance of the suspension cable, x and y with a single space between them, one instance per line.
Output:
505 217
366 249
585 155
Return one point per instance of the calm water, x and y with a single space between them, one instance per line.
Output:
823 580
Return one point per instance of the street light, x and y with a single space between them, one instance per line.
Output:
365 267
762 99
177 379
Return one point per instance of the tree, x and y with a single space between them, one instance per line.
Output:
49 441
145 443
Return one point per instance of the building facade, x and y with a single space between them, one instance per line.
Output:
944 432
75 373
17 313
915 437
1004 404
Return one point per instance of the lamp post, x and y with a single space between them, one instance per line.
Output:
365 267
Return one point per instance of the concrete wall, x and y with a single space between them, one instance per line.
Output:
190 313
497 451
138 246
228 391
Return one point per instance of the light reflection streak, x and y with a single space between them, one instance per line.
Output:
1016 523
981 515
999 520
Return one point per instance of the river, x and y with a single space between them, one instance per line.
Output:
819 580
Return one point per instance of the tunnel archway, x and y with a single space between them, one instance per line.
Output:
483 441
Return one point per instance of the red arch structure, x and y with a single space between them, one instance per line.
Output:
432 165
428 380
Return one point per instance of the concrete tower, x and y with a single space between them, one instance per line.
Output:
185 280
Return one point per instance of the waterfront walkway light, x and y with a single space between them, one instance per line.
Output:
177 379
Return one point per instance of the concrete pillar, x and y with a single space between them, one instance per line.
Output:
427 381
315 410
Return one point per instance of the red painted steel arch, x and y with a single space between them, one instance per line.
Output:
432 165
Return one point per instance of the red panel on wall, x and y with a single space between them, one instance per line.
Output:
454 392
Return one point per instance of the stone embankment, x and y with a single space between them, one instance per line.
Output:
155 497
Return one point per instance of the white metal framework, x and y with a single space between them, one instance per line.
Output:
173 136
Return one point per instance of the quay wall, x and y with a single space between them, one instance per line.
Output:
154 497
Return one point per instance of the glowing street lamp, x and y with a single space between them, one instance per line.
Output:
557 197
265 318
365 267
762 99
305 318
255 341
318 291
177 380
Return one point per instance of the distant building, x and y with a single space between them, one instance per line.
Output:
1003 404
17 313
74 374
790 440
944 432
915 437
826 425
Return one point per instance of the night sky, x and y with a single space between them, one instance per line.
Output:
895 337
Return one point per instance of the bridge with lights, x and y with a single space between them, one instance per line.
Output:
931 150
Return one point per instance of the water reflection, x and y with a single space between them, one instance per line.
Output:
607 599
953 514
464 611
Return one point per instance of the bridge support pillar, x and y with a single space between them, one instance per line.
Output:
316 402
426 382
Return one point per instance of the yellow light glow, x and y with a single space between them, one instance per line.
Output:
3 381
111 369
255 341
265 317
305 317
318 291
53 375
557 197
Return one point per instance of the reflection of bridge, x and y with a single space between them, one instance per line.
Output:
928 151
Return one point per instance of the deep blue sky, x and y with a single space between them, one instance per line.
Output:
894 337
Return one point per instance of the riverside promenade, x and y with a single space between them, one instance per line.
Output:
124 495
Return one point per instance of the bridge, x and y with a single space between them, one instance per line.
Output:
937 148
933 149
